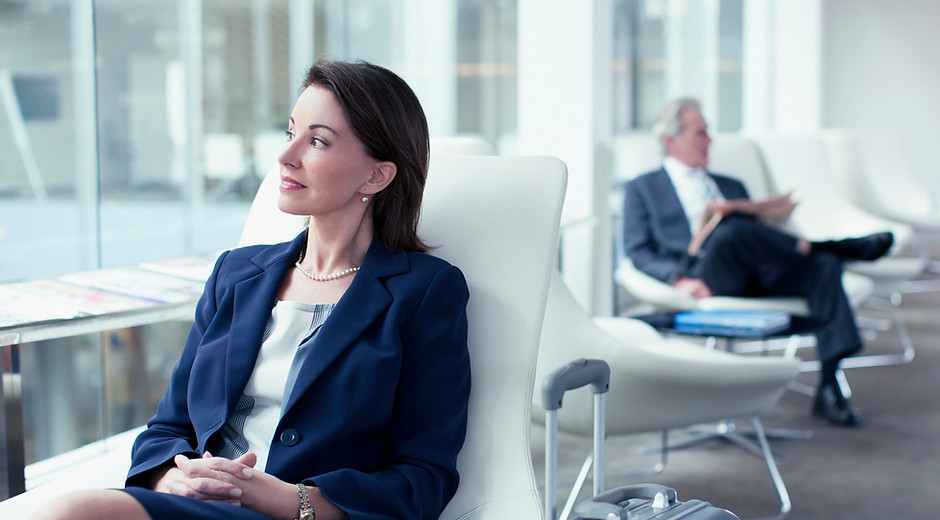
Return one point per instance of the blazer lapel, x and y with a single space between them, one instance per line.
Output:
364 301
253 300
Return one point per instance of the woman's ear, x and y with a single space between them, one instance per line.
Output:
382 175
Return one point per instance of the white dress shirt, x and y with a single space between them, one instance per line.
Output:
695 190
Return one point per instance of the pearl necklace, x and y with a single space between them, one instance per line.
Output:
325 278
322 278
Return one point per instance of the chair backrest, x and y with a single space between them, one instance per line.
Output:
799 162
737 156
460 145
636 153
875 174
505 245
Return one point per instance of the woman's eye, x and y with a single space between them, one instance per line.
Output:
317 142
290 135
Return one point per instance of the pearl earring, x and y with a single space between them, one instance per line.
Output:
365 199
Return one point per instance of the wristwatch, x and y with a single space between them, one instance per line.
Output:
306 512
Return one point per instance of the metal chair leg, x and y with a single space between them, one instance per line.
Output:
877 360
761 450
785 504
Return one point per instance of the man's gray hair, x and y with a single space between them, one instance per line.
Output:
669 122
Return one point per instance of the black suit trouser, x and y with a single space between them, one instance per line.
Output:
743 257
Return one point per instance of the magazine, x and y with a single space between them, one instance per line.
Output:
744 323
45 300
149 285
193 267
773 211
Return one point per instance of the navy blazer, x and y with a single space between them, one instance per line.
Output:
379 410
655 228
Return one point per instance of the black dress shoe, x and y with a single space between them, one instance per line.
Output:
870 247
829 404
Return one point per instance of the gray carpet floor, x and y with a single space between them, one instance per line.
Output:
889 468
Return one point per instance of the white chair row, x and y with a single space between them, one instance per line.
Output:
778 163
802 163
875 174
657 384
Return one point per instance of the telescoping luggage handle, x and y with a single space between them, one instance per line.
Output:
576 374
607 506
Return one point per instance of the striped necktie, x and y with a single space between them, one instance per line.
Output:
704 188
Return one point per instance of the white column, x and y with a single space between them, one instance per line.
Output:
189 22
430 55
758 73
85 130
564 106
300 24
261 60
782 65
691 53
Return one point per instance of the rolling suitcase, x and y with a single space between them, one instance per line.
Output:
635 502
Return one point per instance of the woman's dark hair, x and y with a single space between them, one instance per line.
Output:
386 116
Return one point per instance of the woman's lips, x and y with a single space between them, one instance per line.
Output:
288 184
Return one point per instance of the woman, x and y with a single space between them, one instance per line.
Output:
365 417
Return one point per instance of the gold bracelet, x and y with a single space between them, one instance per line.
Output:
306 512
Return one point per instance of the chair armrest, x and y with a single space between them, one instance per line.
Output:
657 293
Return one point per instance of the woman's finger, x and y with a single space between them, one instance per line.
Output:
195 478
204 489
240 468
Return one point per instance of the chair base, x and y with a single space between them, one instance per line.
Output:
728 431
892 305
921 286
933 266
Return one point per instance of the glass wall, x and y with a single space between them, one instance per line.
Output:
664 49
136 130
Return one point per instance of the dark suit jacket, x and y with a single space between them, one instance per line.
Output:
655 229
379 410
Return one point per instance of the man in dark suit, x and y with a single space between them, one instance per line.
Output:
741 256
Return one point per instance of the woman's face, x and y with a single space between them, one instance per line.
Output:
324 165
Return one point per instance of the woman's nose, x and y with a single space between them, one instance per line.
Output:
288 155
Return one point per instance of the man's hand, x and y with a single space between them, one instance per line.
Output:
694 287
772 206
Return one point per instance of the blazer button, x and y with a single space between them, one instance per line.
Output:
290 437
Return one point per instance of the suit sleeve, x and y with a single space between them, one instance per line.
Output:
431 422
639 242
170 431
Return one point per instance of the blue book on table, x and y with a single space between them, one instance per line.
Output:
731 323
